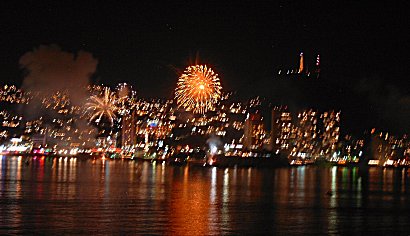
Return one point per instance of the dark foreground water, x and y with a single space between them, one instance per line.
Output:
73 196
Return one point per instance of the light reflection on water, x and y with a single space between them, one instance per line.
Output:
45 195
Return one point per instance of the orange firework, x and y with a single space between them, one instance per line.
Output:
198 89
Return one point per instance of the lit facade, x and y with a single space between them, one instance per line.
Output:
254 132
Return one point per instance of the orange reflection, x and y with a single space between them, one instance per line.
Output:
189 206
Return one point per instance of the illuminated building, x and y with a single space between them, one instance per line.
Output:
281 129
147 124
11 94
39 140
305 145
330 132
128 130
387 149
350 149
301 63
106 142
317 66
303 70
309 136
317 134
254 132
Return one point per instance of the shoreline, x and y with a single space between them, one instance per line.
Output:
219 162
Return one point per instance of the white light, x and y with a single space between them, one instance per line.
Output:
214 149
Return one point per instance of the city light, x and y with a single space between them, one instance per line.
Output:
155 128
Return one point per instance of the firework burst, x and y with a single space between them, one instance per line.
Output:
198 89
100 106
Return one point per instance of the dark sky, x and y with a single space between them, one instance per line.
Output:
364 48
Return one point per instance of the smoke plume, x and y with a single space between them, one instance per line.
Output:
50 69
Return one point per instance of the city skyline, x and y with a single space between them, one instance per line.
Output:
149 45
118 121
204 117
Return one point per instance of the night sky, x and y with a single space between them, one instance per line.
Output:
364 49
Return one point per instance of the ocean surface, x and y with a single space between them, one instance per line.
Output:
56 196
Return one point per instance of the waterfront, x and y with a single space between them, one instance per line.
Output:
94 196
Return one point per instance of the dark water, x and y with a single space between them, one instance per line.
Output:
73 196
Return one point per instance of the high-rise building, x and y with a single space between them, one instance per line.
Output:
128 130
307 135
281 129
330 133
254 132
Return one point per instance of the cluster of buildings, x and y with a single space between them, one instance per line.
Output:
156 126
307 135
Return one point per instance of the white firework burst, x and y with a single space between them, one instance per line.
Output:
104 105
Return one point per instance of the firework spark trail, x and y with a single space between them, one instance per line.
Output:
103 106
198 89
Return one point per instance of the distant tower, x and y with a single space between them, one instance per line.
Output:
301 63
317 66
